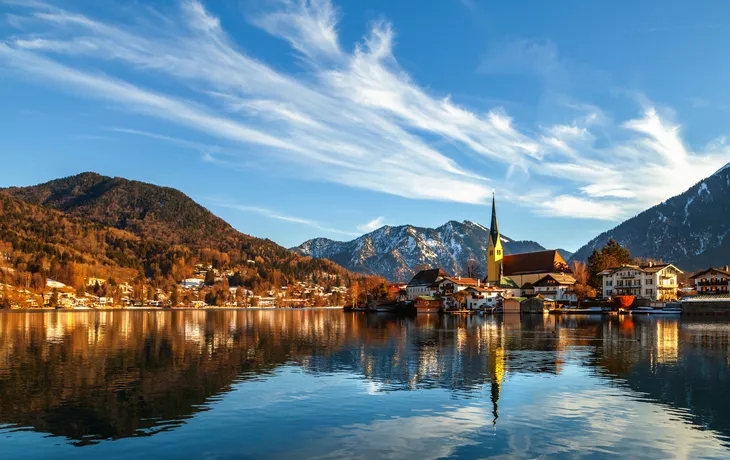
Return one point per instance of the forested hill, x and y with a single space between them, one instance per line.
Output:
95 226
148 211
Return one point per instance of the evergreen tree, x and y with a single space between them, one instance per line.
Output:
174 296
209 278
53 302
610 256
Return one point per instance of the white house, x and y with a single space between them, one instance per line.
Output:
657 282
192 283
483 297
451 285
556 286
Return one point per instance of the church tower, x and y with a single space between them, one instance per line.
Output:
494 251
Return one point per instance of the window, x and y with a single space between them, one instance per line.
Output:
499 252
491 252
649 281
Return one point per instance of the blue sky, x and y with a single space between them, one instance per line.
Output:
293 120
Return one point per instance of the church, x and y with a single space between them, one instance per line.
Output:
518 270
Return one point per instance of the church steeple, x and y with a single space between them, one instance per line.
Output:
494 229
494 251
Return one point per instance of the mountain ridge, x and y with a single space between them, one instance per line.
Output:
689 230
395 251
108 224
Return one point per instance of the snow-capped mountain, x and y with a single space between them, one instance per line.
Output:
394 252
691 230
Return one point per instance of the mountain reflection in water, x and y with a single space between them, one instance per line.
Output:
364 386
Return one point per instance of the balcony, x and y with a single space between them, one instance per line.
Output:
712 282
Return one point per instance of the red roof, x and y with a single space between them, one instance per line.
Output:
534 262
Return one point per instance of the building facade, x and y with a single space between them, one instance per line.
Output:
712 281
655 282
555 286
421 283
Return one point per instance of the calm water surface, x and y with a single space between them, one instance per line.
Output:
327 384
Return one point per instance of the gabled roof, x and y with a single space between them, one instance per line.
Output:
460 281
534 262
560 278
484 289
710 270
427 277
653 268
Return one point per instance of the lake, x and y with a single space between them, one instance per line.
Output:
328 384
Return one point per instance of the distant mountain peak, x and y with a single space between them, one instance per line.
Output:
395 251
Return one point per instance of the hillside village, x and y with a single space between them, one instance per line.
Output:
208 287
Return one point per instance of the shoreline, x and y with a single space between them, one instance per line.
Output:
81 310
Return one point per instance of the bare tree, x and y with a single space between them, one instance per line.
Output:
471 269
581 274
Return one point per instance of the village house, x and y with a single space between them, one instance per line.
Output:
94 281
483 297
556 286
192 283
421 283
655 282
712 281
451 285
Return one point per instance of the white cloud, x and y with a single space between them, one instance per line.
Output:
372 225
571 206
271 214
356 117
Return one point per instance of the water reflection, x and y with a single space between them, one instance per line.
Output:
93 376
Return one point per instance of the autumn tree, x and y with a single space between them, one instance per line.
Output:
354 292
580 271
459 297
584 291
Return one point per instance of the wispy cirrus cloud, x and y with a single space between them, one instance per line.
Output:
272 214
372 225
356 117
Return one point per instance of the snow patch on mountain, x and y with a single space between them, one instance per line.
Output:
395 252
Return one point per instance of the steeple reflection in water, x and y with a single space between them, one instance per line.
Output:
324 383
